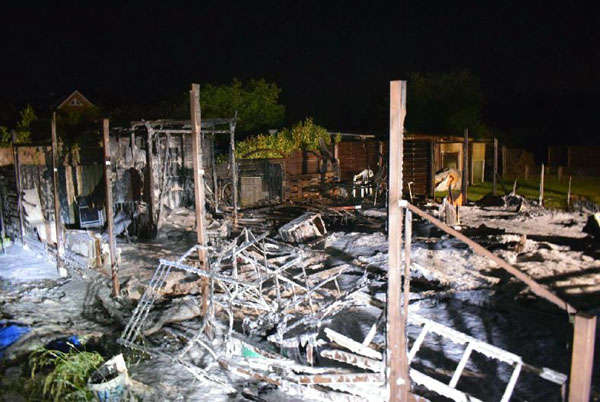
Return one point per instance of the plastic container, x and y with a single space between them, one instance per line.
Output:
110 382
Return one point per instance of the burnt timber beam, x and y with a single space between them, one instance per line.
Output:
57 218
199 200
114 269
398 382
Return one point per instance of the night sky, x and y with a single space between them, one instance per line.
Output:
538 61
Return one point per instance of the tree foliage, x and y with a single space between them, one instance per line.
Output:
445 103
256 101
23 127
304 135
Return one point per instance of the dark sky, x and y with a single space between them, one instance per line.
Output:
538 61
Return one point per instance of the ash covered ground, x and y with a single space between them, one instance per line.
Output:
449 285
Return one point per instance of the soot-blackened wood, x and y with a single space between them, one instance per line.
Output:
199 188
397 359
114 269
151 182
59 242
234 173
18 184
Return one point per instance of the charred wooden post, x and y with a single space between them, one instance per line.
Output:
465 172
541 200
19 189
151 183
495 173
569 193
407 246
57 218
397 359
582 360
234 173
2 229
213 165
432 169
504 157
114 269
199 188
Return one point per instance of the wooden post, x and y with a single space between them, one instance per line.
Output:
495 173
465 175
199 188
213 166
560 173
541 200
569 193
526 173
19 190
234 172
504 156
582 360
432 168
57 217
151 184
114 269
397 360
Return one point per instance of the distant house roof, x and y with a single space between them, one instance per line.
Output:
75 100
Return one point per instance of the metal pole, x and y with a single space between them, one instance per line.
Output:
465 176
57 217
199 188
19 190
114 269
495 174
397 359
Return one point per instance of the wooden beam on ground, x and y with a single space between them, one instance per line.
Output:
199 188
582 360
114 269
57 217
19 188
397 360
465 171
495 172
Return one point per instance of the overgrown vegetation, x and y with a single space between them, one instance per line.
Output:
23 128
445 103
256 101
62 376
305 135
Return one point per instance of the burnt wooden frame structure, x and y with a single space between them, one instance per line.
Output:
209 128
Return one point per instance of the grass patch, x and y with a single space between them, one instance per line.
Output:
555 191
